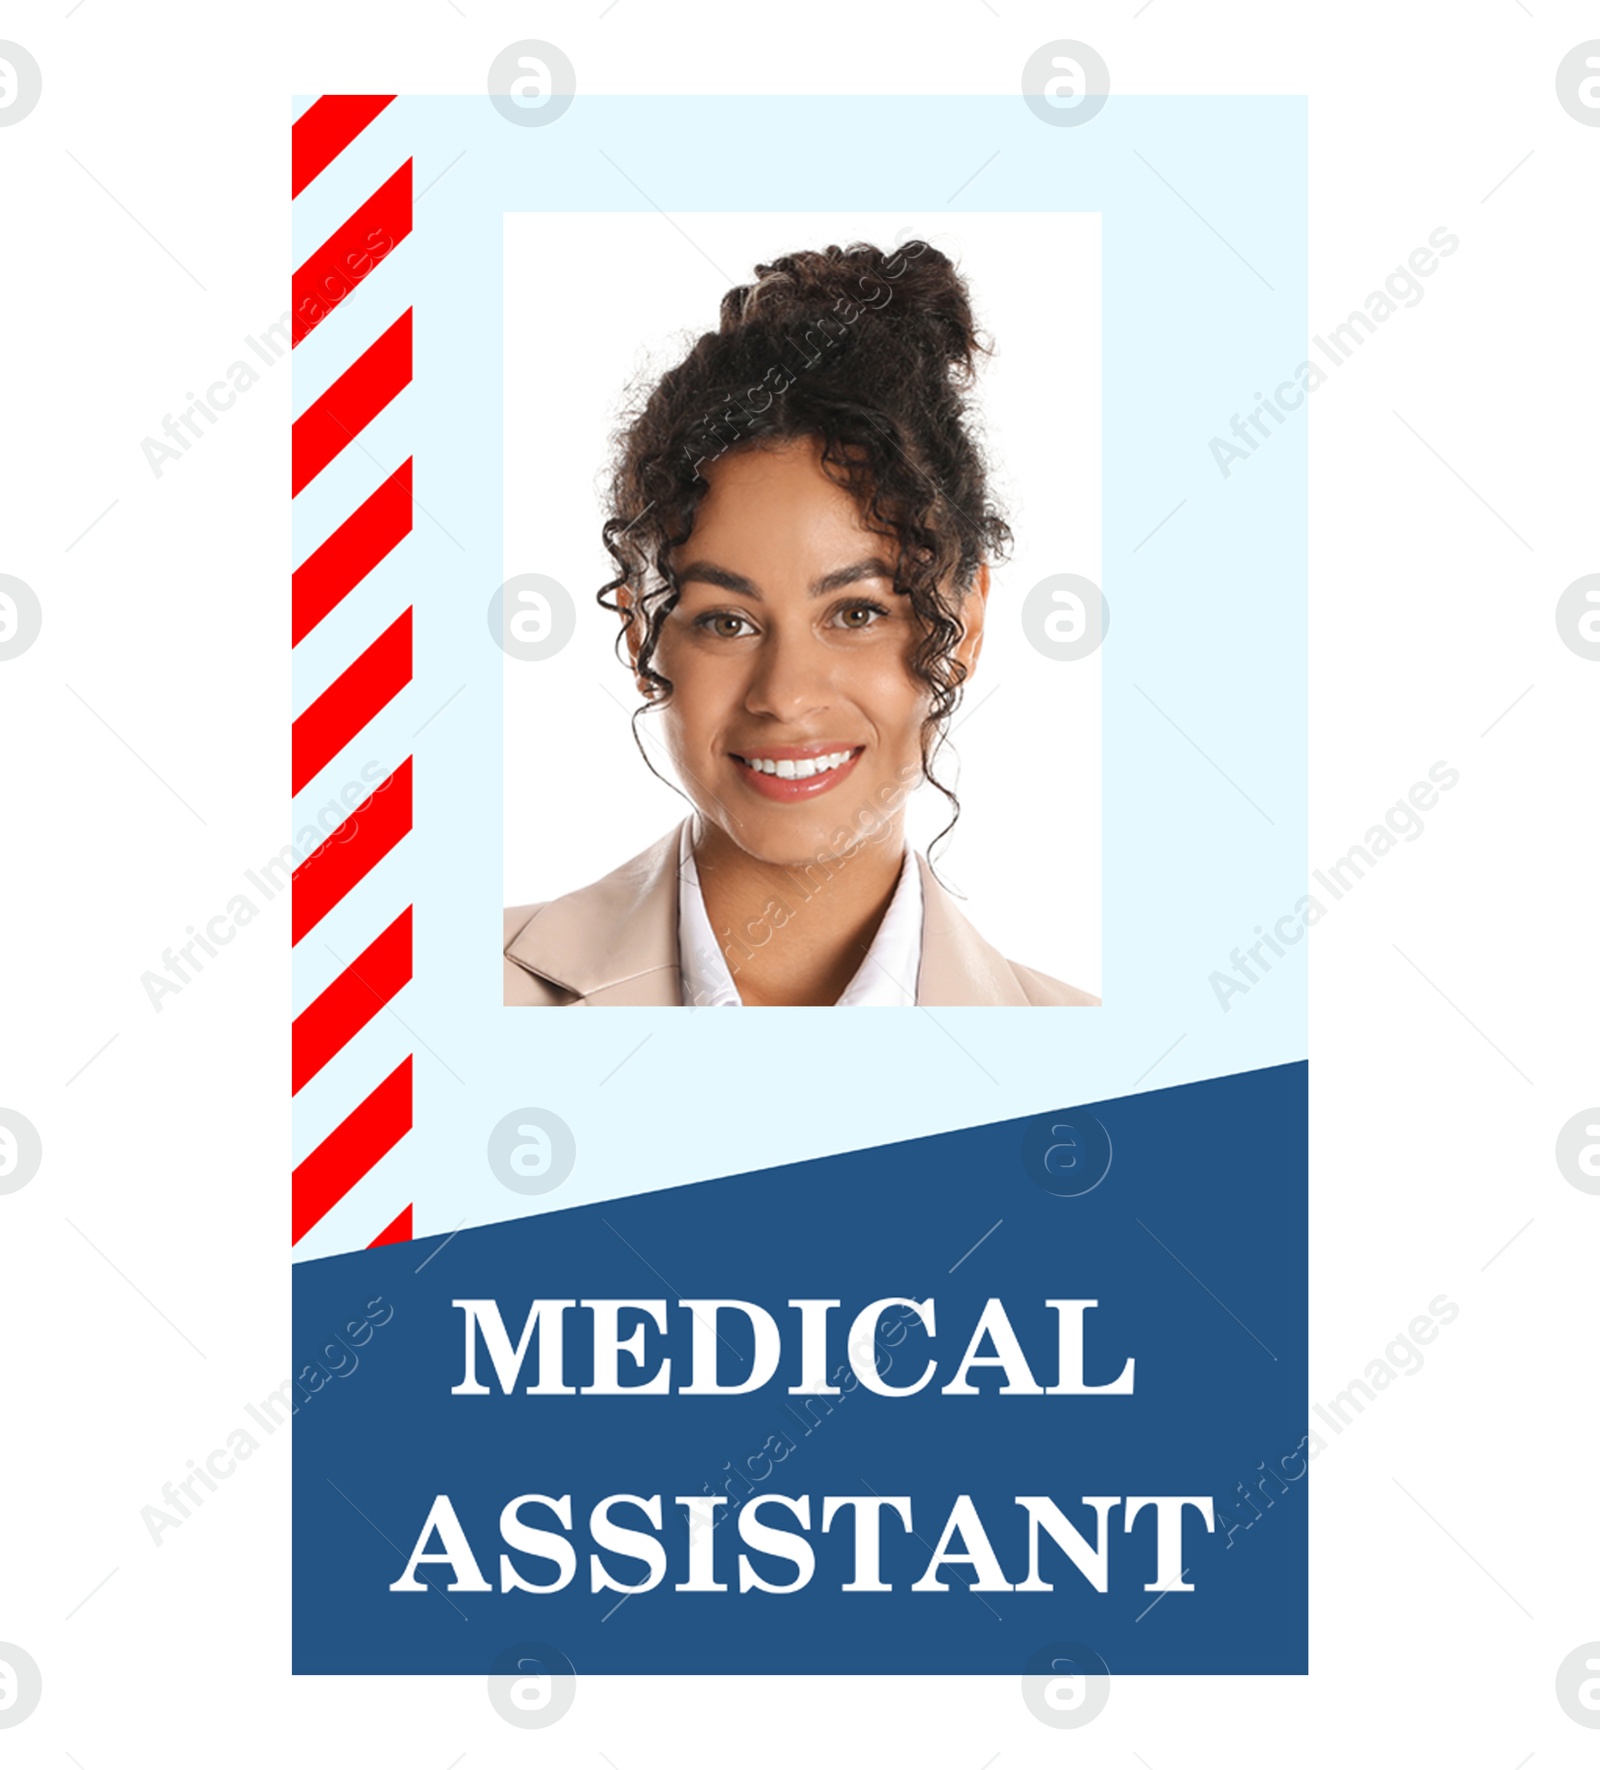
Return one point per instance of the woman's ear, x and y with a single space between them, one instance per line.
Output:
974 607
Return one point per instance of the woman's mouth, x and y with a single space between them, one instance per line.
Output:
797 771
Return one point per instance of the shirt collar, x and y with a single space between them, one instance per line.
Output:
886 978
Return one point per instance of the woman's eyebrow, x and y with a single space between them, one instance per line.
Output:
852 574
706 573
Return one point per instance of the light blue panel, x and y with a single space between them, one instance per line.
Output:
1204 669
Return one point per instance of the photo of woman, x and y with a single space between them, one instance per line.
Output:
801 530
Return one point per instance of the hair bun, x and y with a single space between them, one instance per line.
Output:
916 289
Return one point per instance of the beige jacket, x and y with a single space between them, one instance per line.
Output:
614 944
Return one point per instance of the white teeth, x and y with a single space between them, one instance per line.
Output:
799 768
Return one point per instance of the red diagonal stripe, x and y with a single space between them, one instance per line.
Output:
324 130
399 1230
351 701
352 1151
369 982
351 254
352 550
326 874
351 404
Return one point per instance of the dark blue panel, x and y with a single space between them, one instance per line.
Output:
1193 1245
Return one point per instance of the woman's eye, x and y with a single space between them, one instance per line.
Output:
859 615
725 625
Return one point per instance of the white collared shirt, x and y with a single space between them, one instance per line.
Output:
887 977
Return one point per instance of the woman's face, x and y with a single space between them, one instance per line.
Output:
794 720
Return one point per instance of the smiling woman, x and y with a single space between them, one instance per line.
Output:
801 531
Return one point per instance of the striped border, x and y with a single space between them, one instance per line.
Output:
355 697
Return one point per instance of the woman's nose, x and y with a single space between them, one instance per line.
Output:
791 678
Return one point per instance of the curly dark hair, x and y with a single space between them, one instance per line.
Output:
870 353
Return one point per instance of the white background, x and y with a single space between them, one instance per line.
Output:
1027 767
1453 992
